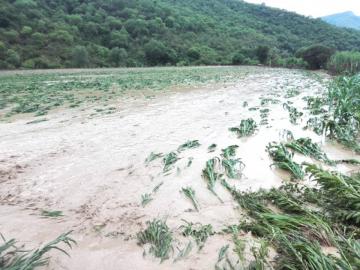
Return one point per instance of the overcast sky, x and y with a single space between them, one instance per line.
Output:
314 8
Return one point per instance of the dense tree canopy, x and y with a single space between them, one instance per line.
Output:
94 33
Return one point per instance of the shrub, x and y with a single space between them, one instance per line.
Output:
315 55
345 63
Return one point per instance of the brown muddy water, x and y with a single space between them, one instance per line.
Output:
93 169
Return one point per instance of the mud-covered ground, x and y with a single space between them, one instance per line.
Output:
92 167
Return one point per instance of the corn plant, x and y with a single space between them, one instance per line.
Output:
14 258
211 176
169 160
190 193
283 159
188 145
246 128
159 236
200 233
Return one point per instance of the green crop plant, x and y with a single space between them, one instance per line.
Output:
188 145
294 114
211 176
229 151
190 193
152 157
159 236
283 159
307 147
14 258
212 148
169 160
233 167
52 214
246 128
200 233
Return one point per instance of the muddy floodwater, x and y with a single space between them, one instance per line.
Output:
93 170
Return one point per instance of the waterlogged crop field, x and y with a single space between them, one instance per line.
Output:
179 168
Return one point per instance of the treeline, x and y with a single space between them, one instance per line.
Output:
113 33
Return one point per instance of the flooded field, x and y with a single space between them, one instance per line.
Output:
100 164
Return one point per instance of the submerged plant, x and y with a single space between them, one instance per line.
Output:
159 236
283 159
199 232
233 167
212 148
145 199
211 176
307 147
169 160
229 151
152 157
13 258
294 114
188 145
246 128
190 193
52 214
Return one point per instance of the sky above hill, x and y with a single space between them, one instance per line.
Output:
314 8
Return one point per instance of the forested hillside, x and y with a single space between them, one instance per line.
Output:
103 33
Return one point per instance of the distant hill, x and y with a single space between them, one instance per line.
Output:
345 19
105 33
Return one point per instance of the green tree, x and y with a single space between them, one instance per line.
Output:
157 53
118 56
80 57
262 53
316 56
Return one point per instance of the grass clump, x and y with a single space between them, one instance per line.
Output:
283 159
200 233
14 258
188 145
246 128
190 193
160 238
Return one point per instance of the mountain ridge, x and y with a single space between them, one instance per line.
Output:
344 19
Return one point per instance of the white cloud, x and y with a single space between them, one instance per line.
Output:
314 8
